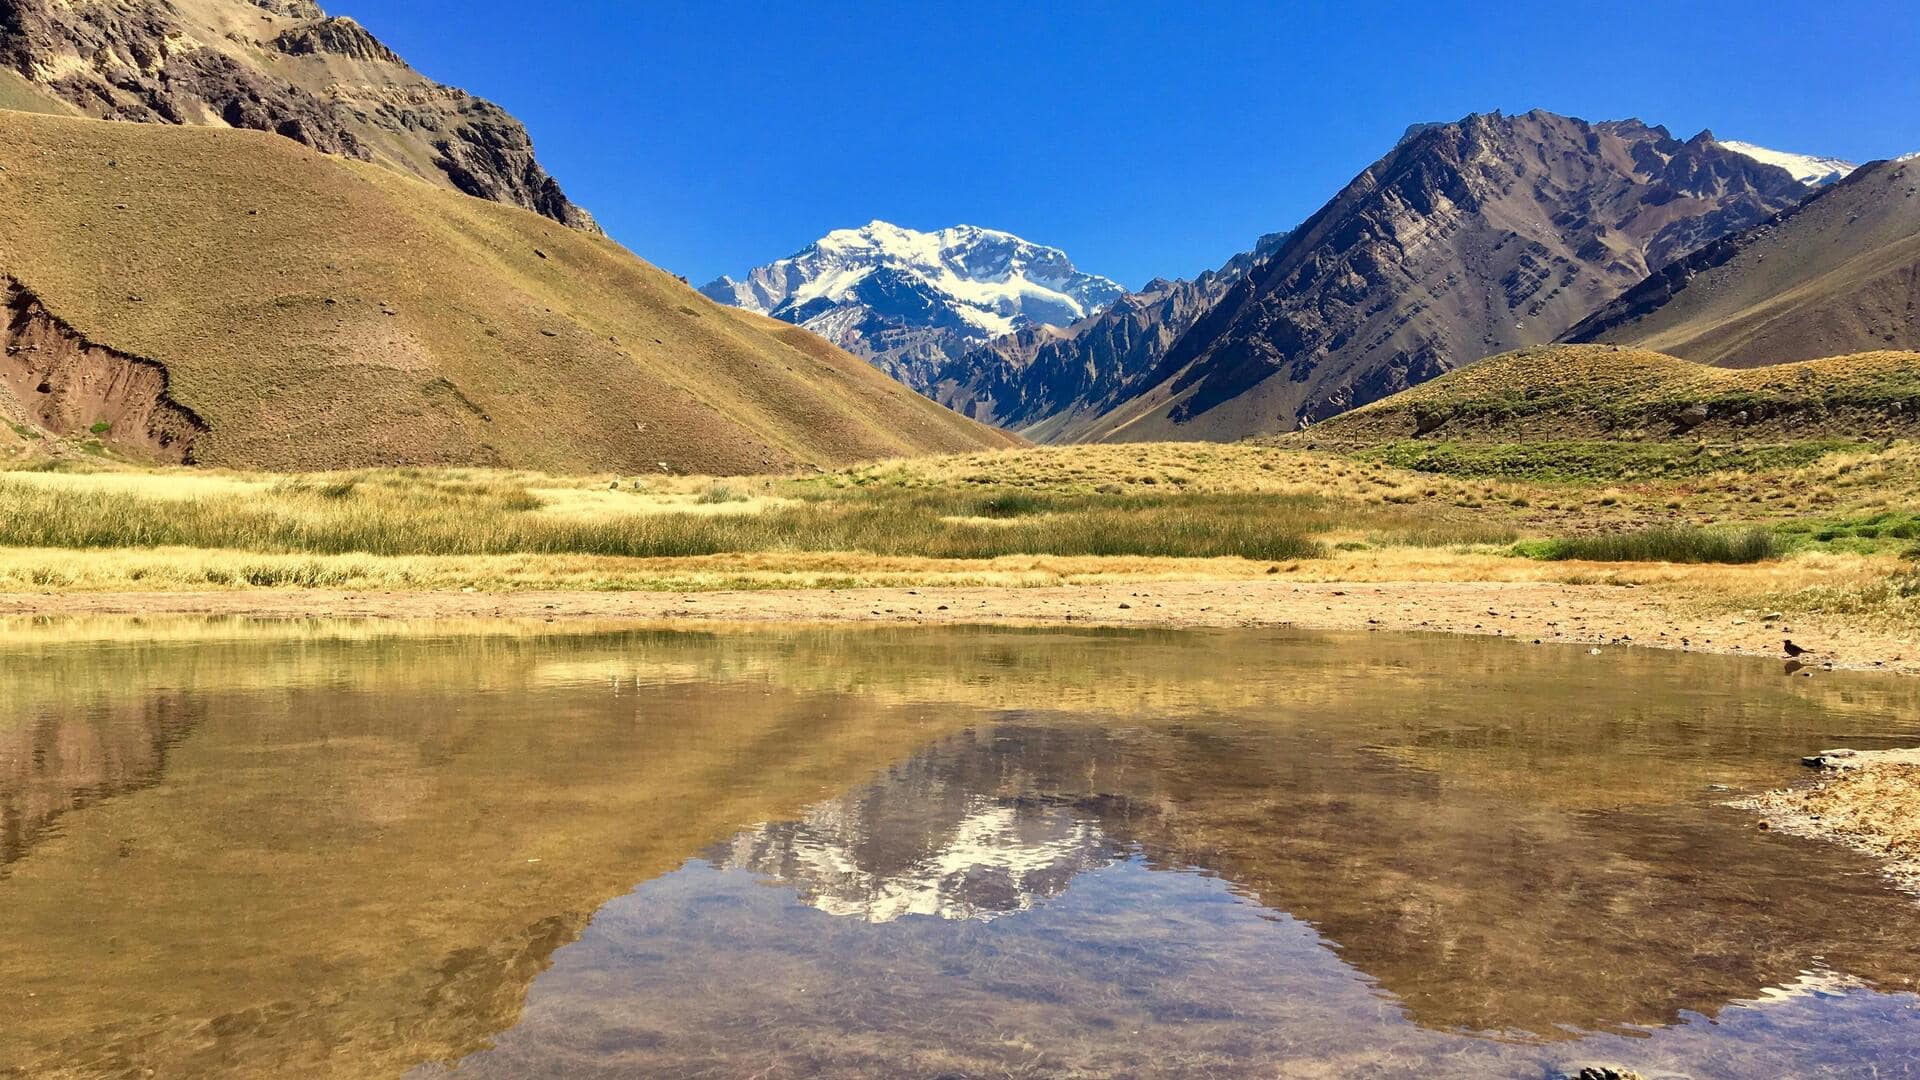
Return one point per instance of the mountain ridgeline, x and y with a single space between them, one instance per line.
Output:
1468 239
1053 383
1837 274
293 251
232 298
281 66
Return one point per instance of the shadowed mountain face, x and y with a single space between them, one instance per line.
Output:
1840 273
1052 383
275 65
1470 238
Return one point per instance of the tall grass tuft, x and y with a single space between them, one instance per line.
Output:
1675 545
400 514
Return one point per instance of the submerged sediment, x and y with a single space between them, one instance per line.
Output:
1868 800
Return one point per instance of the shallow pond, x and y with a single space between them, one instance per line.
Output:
248 849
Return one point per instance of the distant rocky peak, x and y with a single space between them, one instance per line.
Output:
1415 130
909 299
1468 238
293 9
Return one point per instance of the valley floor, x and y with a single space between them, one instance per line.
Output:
1728 548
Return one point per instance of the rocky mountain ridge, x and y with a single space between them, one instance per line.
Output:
1468 239
1050 383
200 295
1835 275
282 66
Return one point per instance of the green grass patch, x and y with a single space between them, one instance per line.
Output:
1596 461
1676 545
1867 534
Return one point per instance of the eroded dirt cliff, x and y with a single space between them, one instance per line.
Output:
54 379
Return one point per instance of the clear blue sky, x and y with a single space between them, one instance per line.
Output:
1145 139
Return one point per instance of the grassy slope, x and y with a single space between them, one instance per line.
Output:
320 313
18 93
1588 391
1839 274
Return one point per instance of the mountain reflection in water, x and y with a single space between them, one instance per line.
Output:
924 852
992 859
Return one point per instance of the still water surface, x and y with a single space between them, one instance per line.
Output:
338 849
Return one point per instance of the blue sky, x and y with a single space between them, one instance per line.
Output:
1145 139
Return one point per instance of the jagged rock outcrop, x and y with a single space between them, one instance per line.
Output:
281 66
1468 239
1051 383
1837 274
338 36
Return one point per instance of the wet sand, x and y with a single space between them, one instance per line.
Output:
1606 615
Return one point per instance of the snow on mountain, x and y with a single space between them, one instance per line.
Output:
1816 171
989 859
906 299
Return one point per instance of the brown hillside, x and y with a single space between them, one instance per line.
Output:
313 312
1838 274
282 66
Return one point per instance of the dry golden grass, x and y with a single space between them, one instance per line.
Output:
1014 518
320 313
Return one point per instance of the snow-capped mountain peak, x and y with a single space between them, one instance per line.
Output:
1815 171
906 298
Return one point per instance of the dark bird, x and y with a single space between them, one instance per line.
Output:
1792 649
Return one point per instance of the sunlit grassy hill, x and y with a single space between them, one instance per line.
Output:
1603 391
311 312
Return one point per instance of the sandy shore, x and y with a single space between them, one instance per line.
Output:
1869 801
1604 615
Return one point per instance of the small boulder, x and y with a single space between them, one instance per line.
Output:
1608 1072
